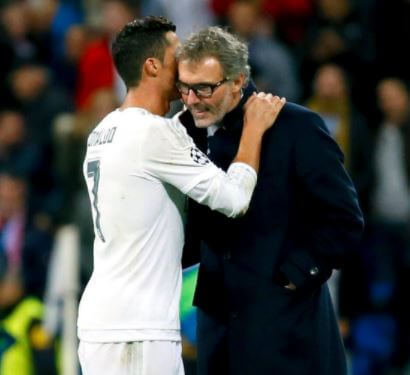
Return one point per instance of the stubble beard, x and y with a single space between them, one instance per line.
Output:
216 114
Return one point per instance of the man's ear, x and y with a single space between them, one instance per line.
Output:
238 83
151 67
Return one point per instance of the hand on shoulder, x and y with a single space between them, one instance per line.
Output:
262 110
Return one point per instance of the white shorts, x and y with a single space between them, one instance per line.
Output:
131 358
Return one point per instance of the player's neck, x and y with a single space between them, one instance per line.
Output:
147 98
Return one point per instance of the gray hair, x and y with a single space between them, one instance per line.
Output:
229 50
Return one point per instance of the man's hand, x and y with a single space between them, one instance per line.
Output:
261 111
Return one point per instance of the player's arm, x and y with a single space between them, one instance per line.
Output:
176 160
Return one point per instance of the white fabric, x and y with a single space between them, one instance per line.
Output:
391 199
137 166
211 130
131 358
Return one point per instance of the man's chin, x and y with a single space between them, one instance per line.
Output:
202 119
202 123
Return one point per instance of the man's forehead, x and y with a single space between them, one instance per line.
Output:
205 69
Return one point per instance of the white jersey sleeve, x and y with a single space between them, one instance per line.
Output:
173 157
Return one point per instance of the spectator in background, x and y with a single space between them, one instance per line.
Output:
66 68
331 98
390 251
391 199
32 90
19 42
75 42
17 153
287 17
273 68
52 20
17 29
290 18
335 35
13 215
189 15
115 15
95 67
26 349
65 14
379 279
40 103
26 248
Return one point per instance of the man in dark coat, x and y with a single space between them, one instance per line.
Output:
263 303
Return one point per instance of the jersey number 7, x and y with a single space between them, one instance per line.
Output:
93 170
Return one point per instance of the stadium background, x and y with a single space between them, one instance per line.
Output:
346 59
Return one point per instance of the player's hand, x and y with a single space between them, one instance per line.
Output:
261 111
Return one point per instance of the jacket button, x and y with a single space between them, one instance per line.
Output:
314 271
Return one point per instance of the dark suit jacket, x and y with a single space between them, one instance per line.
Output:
303 219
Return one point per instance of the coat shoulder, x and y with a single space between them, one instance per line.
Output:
298 118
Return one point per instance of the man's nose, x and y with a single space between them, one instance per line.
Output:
192 98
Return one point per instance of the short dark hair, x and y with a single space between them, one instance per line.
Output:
137 41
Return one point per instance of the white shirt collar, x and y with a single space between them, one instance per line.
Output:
211 130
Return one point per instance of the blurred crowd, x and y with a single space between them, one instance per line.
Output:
345 59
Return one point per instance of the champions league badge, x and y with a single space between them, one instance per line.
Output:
198 156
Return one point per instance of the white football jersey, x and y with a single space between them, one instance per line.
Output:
138 167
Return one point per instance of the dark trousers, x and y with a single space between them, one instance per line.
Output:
212 339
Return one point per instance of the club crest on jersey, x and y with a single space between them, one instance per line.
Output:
198 156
